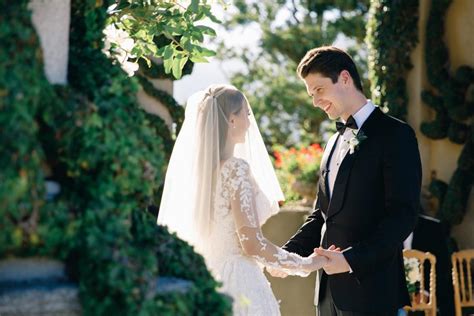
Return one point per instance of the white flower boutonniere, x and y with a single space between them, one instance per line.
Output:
355 141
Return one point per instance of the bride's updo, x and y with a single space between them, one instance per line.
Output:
229 100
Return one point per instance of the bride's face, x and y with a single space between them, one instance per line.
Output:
239 124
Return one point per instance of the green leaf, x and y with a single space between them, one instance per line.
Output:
197 36
183 61
141 34
160 51
177 71
148 61
206 30
207 11
185 42
194 6
168 63
206 52
152 48
168 52
198 59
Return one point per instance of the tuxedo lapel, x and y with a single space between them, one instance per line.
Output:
340 184
339 189
323 194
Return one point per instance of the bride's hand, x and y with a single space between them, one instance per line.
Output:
319 262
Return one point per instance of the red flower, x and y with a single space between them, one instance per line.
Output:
278 160
316 147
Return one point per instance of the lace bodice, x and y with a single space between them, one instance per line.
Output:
236 220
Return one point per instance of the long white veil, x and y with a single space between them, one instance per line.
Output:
187 204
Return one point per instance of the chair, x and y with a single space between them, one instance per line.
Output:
419 300
462 280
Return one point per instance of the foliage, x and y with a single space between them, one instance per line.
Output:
289 29
449 97
92 138
23 89
146 21
297 165
391 22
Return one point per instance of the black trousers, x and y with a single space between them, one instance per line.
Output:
327 307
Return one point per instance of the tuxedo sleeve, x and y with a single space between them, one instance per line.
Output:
308 236
402 182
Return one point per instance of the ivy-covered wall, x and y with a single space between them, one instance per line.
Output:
391 36
449 97
108 156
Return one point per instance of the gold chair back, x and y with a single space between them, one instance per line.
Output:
462 279
419 300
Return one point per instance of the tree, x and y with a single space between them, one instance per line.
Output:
169 30
288 30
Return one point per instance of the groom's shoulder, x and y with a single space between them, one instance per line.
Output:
395 127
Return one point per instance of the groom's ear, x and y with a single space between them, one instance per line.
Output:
345 79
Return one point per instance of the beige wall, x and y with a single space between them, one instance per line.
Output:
152 105
460 41
441 156
51 20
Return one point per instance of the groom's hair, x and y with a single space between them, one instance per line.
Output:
328 61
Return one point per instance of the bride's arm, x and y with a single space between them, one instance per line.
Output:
250 234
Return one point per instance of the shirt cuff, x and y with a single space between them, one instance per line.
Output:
350 269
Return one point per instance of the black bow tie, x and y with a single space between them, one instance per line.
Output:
350 123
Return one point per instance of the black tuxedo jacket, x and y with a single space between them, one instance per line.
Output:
373 208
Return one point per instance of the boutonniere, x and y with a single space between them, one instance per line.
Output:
355 141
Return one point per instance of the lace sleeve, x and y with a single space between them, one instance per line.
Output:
250 234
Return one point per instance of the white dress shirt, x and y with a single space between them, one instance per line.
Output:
342 145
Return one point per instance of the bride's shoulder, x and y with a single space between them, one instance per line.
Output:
235 165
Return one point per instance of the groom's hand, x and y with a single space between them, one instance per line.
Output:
337 262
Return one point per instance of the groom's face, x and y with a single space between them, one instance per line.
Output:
326 95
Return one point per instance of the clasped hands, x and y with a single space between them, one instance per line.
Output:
336 262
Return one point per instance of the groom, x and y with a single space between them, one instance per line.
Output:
368 197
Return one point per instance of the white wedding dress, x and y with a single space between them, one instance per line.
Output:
239 249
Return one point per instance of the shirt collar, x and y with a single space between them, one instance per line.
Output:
364 112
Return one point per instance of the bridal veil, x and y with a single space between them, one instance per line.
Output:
194 167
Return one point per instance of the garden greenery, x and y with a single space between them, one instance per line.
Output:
108 156
392 33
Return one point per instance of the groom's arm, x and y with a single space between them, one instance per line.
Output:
402 182
308 236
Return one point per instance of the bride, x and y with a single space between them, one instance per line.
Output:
220 188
